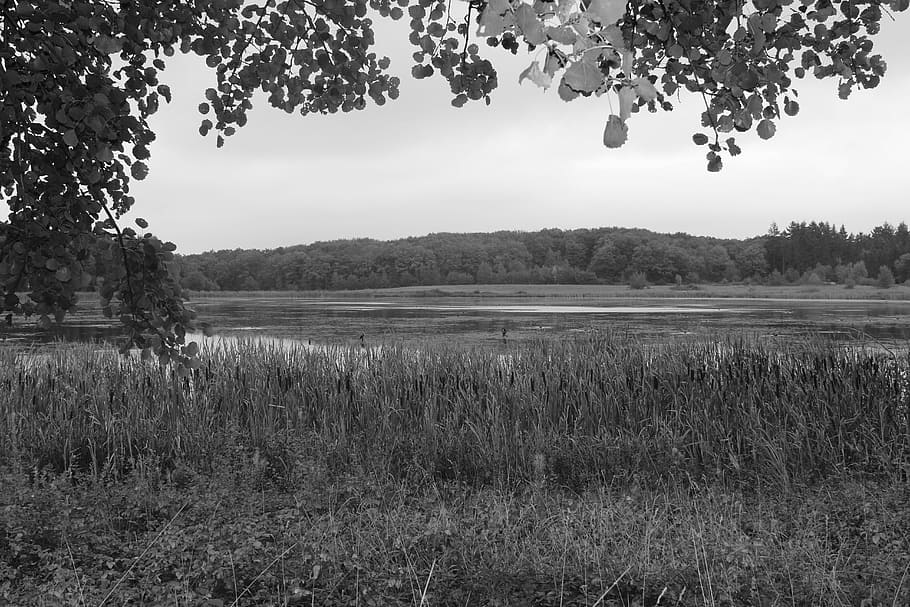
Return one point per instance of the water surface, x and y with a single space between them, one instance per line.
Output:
493 319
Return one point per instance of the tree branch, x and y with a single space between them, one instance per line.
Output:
126 265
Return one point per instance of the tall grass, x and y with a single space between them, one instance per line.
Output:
597 409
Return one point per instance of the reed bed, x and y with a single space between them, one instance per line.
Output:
597 409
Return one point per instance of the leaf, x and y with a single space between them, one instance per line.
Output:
554 62
583 76
562 34
44 323
530 25
742 121
616 132
62 275
766 129
536 75
645 89
844 89
791 107
107 45
104 154
582 27
142 223
744 77
607 12
613 35
495 19
565 8
565 93
626 101
139 171
192 349
70 138
628 61
715 163
700 138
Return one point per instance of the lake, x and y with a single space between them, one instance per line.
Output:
477 320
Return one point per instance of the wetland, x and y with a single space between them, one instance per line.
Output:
479 317
686 451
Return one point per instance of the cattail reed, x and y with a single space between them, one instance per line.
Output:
595 409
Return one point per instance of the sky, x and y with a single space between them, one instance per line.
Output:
528 161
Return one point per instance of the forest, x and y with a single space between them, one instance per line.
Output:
802 253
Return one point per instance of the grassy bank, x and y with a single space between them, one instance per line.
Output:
594 472
723 291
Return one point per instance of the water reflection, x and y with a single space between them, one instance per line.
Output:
309 322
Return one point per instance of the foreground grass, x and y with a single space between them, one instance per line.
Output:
596 472
351 539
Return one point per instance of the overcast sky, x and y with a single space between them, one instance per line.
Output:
528 161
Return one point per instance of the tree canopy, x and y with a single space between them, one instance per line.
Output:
579 256
79 80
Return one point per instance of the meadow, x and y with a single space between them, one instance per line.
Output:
598 470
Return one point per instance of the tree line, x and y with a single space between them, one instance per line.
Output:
802 252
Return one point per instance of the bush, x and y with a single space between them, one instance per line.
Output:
842 273
885 278
638 280
858 271
812 278
776 279
849 283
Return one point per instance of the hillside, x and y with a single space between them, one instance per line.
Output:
814 252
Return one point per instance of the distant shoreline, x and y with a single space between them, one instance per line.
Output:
706 291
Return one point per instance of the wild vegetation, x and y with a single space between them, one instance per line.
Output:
809 254
698 473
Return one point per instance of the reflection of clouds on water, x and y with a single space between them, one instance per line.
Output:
531 309
479 320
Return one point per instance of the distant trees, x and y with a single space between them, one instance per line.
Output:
802 253
835 255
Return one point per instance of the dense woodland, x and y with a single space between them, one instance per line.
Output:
801 253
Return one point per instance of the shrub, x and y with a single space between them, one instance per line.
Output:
849 283
885 278
858 271
812 278
776 279
638 280
842 273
